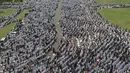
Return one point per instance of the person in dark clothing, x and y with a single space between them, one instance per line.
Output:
111 69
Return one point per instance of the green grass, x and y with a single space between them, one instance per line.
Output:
117 16
21 15
5 30
6 12
112 1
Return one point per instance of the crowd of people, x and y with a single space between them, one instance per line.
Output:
90 44
32 38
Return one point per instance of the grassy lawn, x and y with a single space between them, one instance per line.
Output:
5 30
117 16
21 15
6 12
112 1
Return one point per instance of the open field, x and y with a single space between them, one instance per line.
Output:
6 12
21 15
5 30
112 1
117 16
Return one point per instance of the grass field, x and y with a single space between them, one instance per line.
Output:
5 30
112 1
6 12
117 16
21 15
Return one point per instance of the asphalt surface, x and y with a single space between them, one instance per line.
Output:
58 28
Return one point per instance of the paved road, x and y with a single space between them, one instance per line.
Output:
58 28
